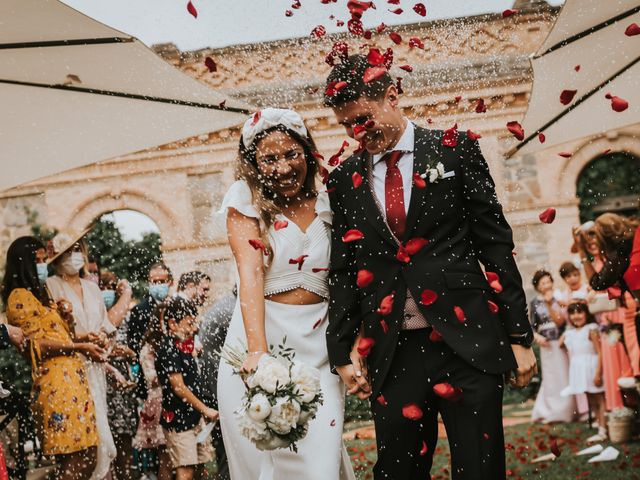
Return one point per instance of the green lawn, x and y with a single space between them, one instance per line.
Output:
523 443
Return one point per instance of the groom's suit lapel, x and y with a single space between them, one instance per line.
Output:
368 201
422 151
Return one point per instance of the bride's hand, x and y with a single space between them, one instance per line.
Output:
361 372
250 363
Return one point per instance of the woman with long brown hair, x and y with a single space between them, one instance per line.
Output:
279 229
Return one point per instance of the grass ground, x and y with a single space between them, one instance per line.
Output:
525 442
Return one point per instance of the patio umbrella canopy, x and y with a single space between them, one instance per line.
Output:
590 50
74 91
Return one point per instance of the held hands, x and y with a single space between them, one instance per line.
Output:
355 375
527 366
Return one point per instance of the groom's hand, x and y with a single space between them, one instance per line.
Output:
354 377
527 366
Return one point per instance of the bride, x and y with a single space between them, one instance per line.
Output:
279 229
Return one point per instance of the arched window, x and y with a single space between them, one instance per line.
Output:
610 183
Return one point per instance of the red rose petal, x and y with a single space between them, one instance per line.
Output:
496 286
485 436
450 137
618 104
577 68
565 154
492 277
384 325
414 245
381 400
386 305
318 32
223 104
352 235
373 73
280 224
168 416
333 423
375 58
428 297
298 261
368 35
319 269
288 13
406 68
258 245
402 255
423 450
541 137
365 345
318 322
566 96
355 27
395 38
493 307
192 10
357 8
472 135
516 129
435 336
457 98
460 314
356 178
508 12
447 391
380 28
631 30
412 411
614 292
364 278
399 86
420 9
480 106
210 64
397 11
256 118
415 42
548 216
418 181
388 58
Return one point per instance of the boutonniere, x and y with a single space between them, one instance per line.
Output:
432 175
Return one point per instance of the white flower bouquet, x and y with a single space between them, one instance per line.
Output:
282 397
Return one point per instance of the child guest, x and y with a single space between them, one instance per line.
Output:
183 412
585 363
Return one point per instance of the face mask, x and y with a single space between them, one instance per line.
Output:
43 272
72 264
109 297
159 291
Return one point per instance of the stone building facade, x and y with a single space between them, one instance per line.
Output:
179 185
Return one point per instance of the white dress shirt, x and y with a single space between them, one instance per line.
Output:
405 164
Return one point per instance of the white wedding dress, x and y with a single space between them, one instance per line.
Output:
321 454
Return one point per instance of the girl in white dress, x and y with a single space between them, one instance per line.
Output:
585 363
274 208
92 323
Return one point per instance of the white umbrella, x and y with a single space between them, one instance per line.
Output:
74 91
590 50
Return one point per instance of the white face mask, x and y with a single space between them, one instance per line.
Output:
72 264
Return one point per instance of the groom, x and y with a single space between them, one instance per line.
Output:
415 214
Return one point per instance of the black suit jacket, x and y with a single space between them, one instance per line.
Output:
462 219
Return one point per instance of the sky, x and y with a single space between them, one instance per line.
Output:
231 22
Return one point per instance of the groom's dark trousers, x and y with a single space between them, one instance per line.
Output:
458 224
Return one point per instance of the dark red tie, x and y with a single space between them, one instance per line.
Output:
394 194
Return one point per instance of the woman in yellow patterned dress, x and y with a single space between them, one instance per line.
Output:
62 404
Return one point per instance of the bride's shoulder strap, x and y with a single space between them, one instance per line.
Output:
239 198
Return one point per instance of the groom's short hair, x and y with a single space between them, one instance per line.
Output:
351 70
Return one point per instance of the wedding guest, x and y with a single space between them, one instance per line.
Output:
548 325
121 401
62 403
183 411
615 238
160 281
585 370
10 335
575 289
68 255
619 341
149 436
194 286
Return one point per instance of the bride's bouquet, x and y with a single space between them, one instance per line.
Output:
282 397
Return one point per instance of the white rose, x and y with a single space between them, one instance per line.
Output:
306 415
307 381
259 408
270 374
284 415
433 175
440 169
254 431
